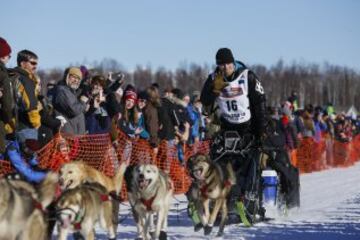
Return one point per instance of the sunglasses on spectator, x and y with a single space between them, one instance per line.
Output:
33 63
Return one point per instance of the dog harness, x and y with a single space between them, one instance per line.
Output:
148 202
38 205
204 188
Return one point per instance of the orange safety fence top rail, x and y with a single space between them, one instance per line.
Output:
98 152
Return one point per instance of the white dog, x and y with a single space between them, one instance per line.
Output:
151 191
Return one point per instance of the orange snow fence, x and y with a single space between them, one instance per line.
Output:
98 152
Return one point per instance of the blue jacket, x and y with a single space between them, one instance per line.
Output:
195 119
129 128
22 166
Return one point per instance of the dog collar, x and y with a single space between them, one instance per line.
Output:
79 216
38 205
203 191
204 188
78 219
104 197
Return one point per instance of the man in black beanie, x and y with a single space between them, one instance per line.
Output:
239 98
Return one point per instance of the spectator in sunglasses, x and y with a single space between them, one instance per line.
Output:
21 152
28 113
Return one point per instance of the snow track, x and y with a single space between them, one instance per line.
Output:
330 209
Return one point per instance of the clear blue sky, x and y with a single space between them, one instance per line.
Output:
169 33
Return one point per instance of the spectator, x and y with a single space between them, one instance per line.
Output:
131 122
166 113
151 115
329 124
195 117
49 123
68 106
97 118
50 90
289 129
198 108
29 119
293 99
320 126
340 129
21 153
6 98
166 117
309 128
299 123
183 123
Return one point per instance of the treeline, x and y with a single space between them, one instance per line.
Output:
315 84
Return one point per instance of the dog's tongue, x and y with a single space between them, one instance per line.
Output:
65 223
142 183
197 173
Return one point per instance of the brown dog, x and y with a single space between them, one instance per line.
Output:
75 173
211 182
78 209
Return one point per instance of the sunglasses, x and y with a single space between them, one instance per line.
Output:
33 63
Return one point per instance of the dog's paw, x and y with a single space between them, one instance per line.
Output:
163 235
207 230
152 235
220 233
198 227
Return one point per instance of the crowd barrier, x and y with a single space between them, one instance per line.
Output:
98 152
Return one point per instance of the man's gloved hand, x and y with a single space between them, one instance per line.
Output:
219 84
62 120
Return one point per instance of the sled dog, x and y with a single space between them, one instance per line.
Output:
150 191
211 182
78 209
22 208
75 173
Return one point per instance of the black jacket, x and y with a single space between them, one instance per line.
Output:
166 119
256 98
6 104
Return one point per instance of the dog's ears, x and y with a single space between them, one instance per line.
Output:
190 161
207 157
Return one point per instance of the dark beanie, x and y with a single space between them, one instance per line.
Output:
178 93
4 48
224 55
143 95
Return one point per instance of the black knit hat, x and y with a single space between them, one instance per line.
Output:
178 93
143 95
224 55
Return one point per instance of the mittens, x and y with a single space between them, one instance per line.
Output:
219 84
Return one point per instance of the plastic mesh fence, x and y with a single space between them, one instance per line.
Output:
98 152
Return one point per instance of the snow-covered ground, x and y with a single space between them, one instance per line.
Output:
330 209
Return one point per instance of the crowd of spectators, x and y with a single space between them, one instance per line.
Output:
84 102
